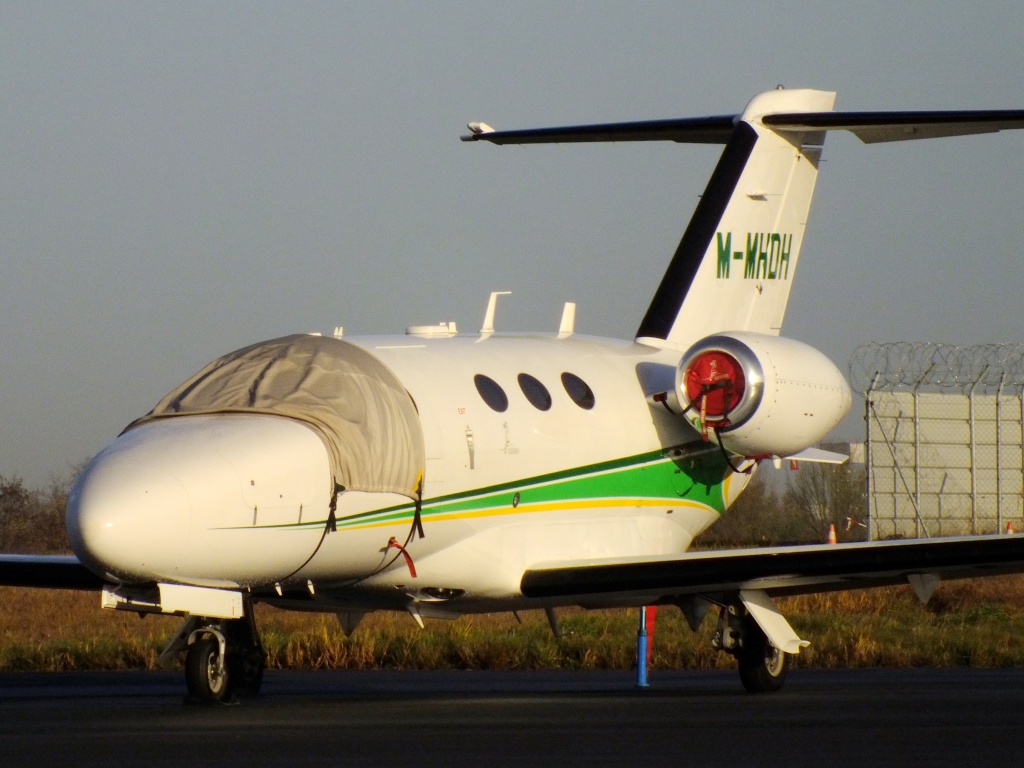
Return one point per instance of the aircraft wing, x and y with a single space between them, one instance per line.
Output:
782 570
48 572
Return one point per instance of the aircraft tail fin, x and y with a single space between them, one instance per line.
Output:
735 263
734 266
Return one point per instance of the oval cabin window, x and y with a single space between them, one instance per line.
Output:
491 393
535 392
578 390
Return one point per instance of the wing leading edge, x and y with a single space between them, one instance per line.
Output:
781 570
47 572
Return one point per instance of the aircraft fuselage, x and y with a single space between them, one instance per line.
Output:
565 460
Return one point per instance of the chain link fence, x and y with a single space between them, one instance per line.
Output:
944 435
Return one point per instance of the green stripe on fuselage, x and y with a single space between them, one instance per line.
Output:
661 475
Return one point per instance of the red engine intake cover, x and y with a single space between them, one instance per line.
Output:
717 376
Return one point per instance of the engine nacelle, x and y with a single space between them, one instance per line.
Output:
758 394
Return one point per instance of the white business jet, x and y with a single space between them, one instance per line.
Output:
442 474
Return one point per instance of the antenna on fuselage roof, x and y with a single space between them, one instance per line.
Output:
492 305
568 325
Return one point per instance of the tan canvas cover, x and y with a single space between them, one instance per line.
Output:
364 415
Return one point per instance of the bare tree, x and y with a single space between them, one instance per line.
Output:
829 494
33 520
757 518
17 505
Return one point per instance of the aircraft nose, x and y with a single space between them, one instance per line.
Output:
219 500
126 505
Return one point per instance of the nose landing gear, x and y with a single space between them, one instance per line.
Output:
206 674
224 661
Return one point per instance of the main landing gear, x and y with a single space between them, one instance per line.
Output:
762 666
224 660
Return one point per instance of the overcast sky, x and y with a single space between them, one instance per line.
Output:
182 179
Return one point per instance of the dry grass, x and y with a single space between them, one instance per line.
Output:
967 623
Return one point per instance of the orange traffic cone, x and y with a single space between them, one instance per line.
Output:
1009 528
831 535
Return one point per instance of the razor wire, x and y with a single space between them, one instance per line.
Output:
916 365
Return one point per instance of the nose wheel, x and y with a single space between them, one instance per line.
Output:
224 661
206 673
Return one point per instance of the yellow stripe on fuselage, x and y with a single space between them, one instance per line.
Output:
549 506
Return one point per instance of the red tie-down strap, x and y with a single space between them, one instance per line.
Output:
393 544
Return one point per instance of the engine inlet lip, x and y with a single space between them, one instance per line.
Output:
749 362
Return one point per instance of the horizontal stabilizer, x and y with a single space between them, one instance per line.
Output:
685 130
874 127
869 127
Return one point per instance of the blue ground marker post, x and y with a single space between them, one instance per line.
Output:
641 650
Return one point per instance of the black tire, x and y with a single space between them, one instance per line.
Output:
206 683
763 667
246 673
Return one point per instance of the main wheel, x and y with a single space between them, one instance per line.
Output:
207 680
246 671
763 667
